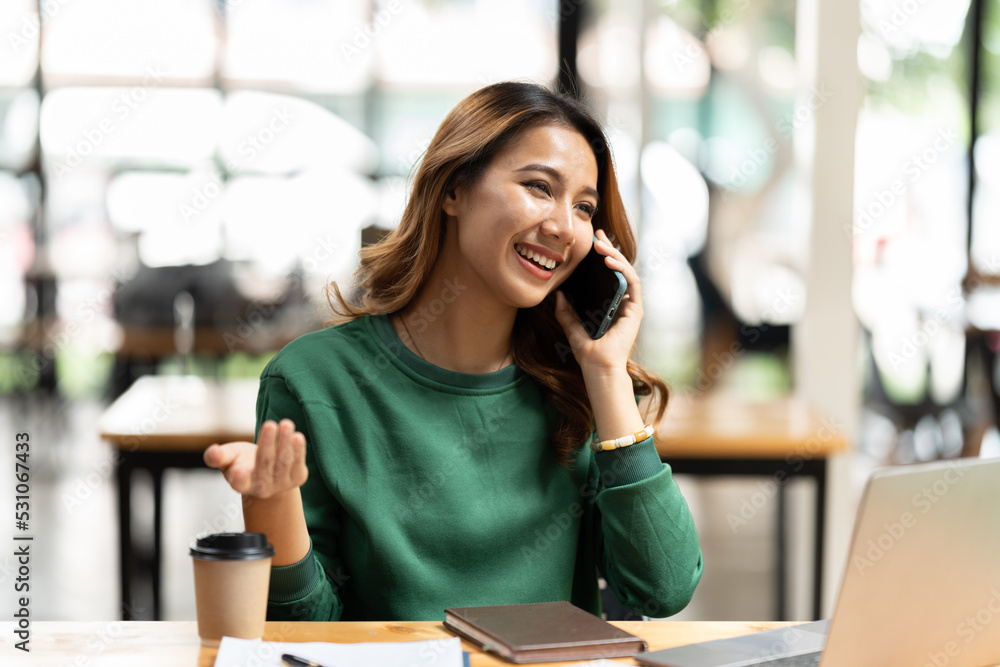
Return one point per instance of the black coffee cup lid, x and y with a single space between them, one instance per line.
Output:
232 546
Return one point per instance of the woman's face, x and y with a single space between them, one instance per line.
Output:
527 222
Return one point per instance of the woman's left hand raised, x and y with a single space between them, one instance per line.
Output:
611 351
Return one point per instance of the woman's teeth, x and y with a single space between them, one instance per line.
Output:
544 262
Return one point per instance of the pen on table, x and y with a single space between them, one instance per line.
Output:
296 661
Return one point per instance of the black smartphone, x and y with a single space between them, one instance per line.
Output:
595 292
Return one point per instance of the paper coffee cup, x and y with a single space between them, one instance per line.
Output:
232 572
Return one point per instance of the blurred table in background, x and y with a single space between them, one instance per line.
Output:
141 348
712 435
165 422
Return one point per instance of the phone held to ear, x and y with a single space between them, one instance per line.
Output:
595 292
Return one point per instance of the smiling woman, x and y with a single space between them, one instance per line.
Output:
441 455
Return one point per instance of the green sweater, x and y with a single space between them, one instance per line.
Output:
431 489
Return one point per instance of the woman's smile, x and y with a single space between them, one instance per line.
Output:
540 262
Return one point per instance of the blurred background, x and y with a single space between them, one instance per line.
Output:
180 179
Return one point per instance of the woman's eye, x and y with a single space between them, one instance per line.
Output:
538 185
590 210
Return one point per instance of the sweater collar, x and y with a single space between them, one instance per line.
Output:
504 376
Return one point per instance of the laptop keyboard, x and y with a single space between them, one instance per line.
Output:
808 660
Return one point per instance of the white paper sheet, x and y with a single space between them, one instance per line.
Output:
255 653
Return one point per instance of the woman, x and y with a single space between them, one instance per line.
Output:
448 415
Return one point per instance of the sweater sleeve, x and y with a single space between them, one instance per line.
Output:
648 545
307 590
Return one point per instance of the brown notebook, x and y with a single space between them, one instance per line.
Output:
541 632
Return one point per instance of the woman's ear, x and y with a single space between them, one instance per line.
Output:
453 201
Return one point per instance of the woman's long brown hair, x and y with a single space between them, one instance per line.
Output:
392 271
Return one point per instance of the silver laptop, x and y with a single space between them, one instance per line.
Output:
922 586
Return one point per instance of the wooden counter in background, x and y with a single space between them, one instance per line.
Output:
781 439
164 421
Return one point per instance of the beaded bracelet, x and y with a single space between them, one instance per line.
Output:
624 441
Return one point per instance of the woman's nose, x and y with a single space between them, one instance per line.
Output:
559 222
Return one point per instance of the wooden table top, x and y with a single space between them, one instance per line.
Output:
176 644
716 426
189 414
180 413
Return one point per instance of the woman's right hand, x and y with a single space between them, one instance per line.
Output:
276 464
